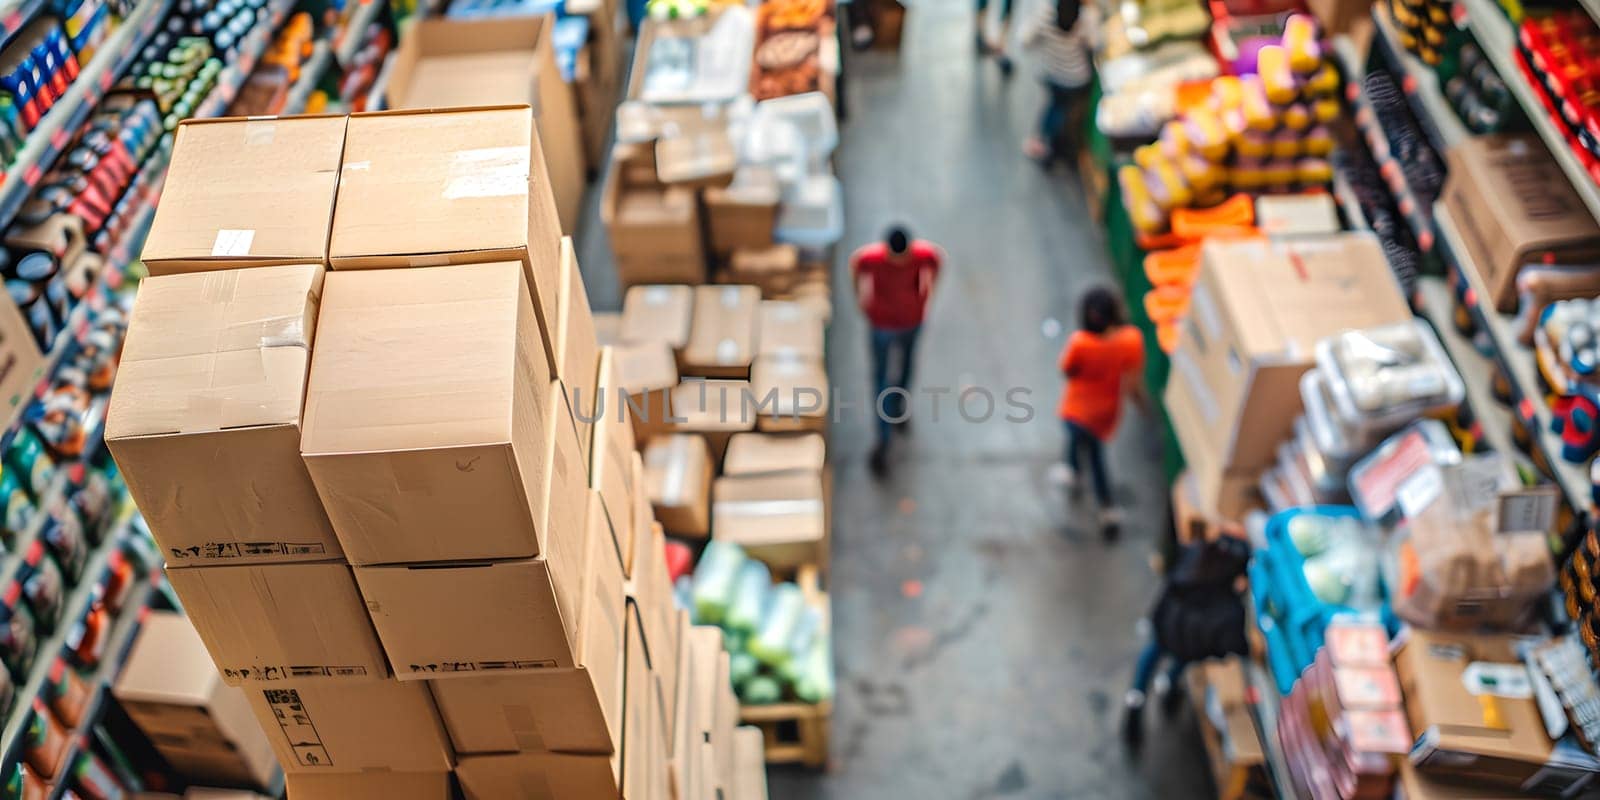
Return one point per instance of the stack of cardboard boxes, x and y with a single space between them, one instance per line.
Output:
372 454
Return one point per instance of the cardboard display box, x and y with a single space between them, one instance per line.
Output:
567 711
722 337
670 667
770 453
419 373
1468 731
205 419
655 230
678 482
610 471
475 175
354 726
778 519
1258 309
716 409
793 393
789 329
743 214
172 691
641 376
576 346
247 193
658 313
443 63
1513 206
370 786
274 622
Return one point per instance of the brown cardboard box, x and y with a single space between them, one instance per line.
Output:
475 175
655 232
1513 206
677 479
743 214
353 726
651 591
659 313
172 691
473 617
641 377
247 193
596 100
769 453
700 157
419 374
1464 731
774 268
546 776
571 711
274 622
208 793
610 466
607 327
670 667
792 393
577 349
725 721
644 745
1415 785
205 416
370 786
21 361
788 328
716 409
749 764
443 63
779 519
1258 310
722 338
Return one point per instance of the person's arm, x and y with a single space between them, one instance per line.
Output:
1068 362
1032 25
928 274
1133 376
1090 28
862 280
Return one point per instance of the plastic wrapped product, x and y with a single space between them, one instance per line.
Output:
1381 377
815 682
1272 63
1376 481
771 645
714 580
751 589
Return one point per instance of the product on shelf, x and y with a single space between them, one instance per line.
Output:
1479 95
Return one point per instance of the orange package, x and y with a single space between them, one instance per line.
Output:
1166 303
1176 267
1233 217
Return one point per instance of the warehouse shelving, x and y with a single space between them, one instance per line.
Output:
234 75
1516 361
1494 420
1485 19
16 15
311 73
56 128
354 32
1420 84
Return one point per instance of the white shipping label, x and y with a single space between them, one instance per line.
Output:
1510 681
233 243
1420 490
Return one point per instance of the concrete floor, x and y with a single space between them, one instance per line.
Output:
984 631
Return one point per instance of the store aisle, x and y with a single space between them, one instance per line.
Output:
984 632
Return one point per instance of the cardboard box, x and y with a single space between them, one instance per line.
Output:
571 711
773 268
660 313
677 479
607 327
477 177
1465 730
655 232
443 63
640 376
417 375
722 338
353 726
577 349
699 157
644 517
205 418
172 691
670 667
651 591
610 471
792 393
644 744
1258 309
771 453
596 98
790 329
715 409
370 786
280 622
1415 785
778 519
1514 206
547 776
743 214
749 764
21 360
246 193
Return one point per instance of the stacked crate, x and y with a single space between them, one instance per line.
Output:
384 485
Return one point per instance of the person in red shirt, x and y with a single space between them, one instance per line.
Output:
893 279
1101 363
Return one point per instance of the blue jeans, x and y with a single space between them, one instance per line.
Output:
899 345
1060 125
1145 670
1081 442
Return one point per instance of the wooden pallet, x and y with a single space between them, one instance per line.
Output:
797 733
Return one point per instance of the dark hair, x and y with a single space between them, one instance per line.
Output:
897 238
1100 310
1067 12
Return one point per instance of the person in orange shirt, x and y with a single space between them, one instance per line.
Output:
1101 362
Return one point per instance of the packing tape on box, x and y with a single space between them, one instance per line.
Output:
259 132
728 351
488 172
524 726
233 243
218 287
675 469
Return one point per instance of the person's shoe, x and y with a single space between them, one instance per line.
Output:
1036 149
1005 64
1171 695
1062 475
878 462
1110 522
1133 719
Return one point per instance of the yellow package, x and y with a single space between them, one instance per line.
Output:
1272 63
